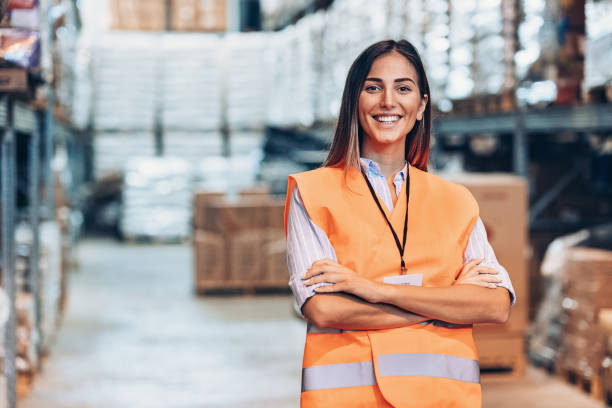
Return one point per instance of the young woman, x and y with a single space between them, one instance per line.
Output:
389 264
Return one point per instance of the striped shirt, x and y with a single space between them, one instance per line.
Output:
307 243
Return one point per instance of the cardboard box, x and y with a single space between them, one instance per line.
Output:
245 255
259 190
148 15
503 203
201 200
13 80
249 213
502 350
198 15
586 310
209 258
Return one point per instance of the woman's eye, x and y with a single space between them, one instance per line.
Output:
404 89
371 88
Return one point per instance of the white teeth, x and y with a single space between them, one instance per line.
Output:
387 119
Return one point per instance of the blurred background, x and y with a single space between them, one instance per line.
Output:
145 151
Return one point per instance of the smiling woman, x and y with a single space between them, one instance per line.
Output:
389 264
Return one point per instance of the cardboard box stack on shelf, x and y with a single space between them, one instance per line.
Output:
586 296
605 324
146 15
198 15
180 15
502 200
239 245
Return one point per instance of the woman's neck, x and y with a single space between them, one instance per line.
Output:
389 158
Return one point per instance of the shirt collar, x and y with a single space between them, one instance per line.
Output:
371 168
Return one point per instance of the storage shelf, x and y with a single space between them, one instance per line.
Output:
585 118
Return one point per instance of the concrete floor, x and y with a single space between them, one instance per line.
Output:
135 336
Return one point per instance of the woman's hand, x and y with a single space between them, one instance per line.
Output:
342 279
474 274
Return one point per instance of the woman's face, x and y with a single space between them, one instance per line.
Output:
390 101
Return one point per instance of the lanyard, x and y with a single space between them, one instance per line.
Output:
400 247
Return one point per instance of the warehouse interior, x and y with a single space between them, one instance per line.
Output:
145 149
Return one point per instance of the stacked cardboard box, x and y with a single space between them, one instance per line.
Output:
586 292
198 15
238 244
502 200
605 323
147 15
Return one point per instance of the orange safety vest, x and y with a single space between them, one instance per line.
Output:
423 365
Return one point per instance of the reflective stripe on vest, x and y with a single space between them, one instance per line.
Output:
338 376
429 365
390 365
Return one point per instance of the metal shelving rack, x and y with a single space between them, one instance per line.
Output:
522 124
17 118
20 119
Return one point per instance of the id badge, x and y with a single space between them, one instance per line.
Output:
415 279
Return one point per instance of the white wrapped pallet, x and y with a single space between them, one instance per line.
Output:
246 142
191 89
113 149
192 146
157 198
598 52
228 174
247 78
126 72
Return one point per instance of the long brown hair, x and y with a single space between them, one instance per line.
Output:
345 148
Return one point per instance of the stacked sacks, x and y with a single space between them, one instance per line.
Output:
156 198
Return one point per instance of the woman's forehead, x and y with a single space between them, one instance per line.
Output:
392 66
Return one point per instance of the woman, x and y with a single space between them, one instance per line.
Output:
390 265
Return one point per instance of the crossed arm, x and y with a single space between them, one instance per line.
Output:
353 302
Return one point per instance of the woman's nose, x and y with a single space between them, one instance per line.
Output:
386 99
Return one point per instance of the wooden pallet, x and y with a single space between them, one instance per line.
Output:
589 385
501 354
244 287
151 240
509 369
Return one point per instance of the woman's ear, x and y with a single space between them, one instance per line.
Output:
422 106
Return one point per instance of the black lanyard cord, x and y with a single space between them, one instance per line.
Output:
400 247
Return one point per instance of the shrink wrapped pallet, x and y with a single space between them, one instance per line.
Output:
157 199
598 47
113 149
191 82
126 74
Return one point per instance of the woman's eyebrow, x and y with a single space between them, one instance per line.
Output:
397 80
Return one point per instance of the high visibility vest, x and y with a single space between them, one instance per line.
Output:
423 365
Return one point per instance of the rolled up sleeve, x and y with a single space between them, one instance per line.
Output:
306 243
479 247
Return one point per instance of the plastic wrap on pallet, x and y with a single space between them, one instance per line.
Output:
192 146
20 47
577 272
228 174
598 52
157 198
126 75
113 149
246 142
247 90
192 81
293 68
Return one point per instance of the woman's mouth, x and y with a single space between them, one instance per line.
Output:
387 119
